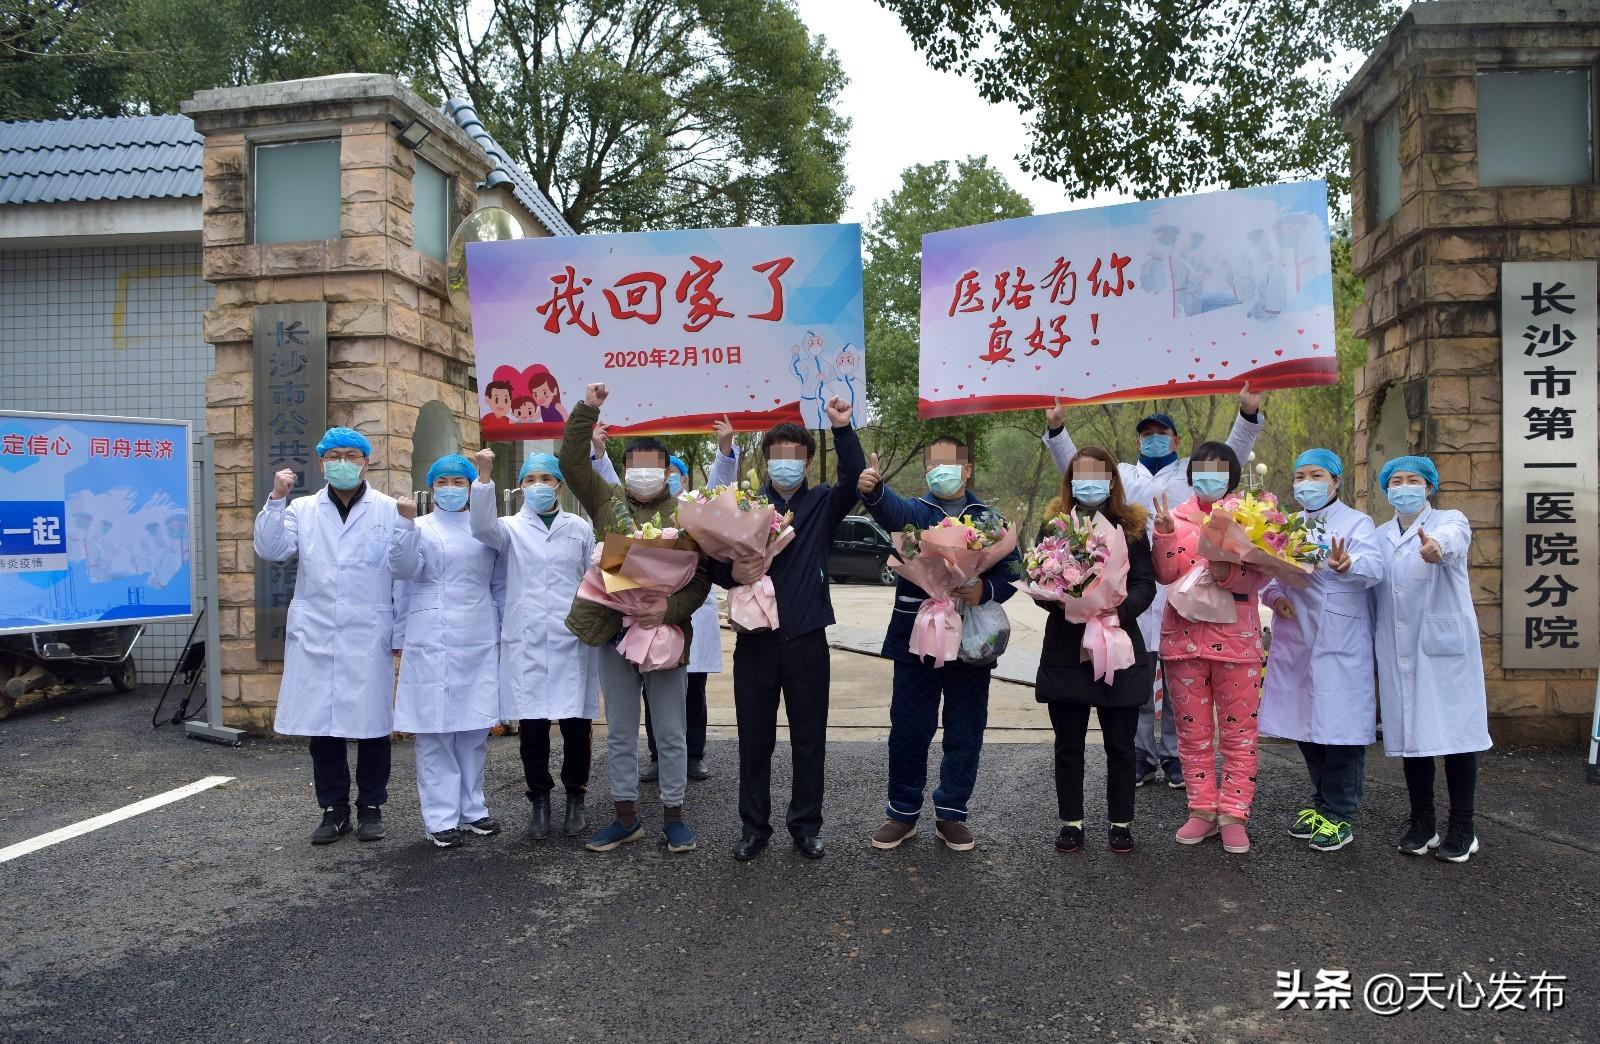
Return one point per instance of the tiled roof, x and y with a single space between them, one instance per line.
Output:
117 157
505 171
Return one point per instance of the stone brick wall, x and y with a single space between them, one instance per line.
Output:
1431 317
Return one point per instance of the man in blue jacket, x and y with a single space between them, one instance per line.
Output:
918 684
793 657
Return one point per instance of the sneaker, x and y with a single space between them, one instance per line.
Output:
1305 825
650 772
369 824
335 822
484 827
698 770
893 833
451 838
1070 839
1460 843
955 835
1332 834
1120 839
615 835
1196 829
1144 777
1234 838
1177 783
1419 838
679 837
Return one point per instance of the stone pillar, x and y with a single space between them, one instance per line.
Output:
394 342
1432 381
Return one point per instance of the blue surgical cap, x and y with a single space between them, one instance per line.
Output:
454 464
683 469
545 462
341 437
1325 459
1416 465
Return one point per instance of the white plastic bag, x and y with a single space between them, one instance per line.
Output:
985 633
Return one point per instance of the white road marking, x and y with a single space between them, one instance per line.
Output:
22 848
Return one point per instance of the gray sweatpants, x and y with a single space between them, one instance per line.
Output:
621 682
1146 755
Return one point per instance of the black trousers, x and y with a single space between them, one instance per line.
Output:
1117 726
534 746
330 769
798 669
694 706
1460 779
1337 774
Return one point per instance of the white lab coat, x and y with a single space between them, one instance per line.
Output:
1320 686
338 660
1430 665
1140 486
545 671
450 673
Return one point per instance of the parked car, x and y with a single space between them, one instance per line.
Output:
861 551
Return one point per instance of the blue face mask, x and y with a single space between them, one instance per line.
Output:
1311 495
1407 500
450 498
674 484
1155 446
1091 492
785 473
342 474
944 480
1210 485
541 498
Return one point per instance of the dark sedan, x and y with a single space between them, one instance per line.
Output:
861 551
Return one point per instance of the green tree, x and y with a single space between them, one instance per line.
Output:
1159 97
644 114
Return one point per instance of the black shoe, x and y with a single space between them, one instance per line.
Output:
369 823
748 848
809 845
650 772
1070 839
484 827
451 838
577 822
1460 842
335 821
539 820
1419 837
698 770
1120 839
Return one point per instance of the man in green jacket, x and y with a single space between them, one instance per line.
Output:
643 494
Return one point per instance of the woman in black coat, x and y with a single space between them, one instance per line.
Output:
1065 682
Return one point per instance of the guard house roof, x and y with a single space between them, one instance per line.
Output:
111 158
506 172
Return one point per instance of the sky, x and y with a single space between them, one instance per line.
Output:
904 112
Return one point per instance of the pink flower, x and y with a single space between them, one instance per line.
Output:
1275 540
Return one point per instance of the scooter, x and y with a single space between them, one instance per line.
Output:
83 656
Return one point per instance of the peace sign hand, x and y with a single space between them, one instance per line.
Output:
1164 523
1339 556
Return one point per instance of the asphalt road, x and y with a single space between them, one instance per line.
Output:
212 919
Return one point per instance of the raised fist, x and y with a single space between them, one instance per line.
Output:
838 412
282 483
485 464
406 506
596 395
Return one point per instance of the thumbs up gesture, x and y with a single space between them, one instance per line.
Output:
869 478
1431 551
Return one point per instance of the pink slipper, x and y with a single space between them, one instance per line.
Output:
1196 830
1234 839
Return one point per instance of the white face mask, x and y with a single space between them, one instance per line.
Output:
645 483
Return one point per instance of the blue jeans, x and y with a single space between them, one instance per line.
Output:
913 719
1338 775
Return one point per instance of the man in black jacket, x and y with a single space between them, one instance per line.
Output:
791 659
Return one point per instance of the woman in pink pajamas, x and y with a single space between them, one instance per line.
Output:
1212 670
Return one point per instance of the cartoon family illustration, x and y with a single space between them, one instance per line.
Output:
822 377
1266 273
530 397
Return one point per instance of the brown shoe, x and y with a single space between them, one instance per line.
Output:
892 833
955 835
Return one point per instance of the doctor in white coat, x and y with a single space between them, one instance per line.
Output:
449 693
1319 689
342 629
1159 471
1430 665
546 674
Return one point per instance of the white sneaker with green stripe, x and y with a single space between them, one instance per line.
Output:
1331 834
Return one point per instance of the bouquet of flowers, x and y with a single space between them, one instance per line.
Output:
640 569
1249 529
738 524
940 559
1082 565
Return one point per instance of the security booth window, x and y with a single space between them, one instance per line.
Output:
430 210
1535 128
297 191
1386 165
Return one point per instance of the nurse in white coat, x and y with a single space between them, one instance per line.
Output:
1159 471
1430 666
546 674
342 629
1319 689
449 693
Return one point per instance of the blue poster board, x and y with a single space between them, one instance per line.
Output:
94 521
